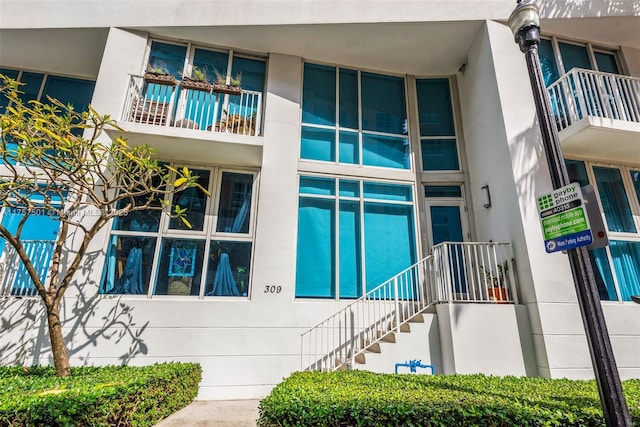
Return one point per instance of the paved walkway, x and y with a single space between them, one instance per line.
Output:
218 413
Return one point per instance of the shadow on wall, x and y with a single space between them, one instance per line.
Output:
24 338
570 9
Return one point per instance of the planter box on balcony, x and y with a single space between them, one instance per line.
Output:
161 79
223 88
188 83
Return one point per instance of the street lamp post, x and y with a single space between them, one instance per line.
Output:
525 24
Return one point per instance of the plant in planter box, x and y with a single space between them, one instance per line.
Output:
220 84
496 280
197 81
159 74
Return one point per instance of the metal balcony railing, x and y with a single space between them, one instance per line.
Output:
14 278
455 272
204 110
581 93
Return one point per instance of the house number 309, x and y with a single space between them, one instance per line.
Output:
272 289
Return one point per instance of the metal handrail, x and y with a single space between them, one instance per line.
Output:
455 272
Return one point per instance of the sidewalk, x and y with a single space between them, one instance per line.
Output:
218 413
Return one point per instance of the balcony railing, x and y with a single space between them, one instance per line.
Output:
581 93
14 278
207 111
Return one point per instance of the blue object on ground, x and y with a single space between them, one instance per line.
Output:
414 364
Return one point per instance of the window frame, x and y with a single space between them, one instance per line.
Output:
207 234
359 167
362 200
591 49
634 206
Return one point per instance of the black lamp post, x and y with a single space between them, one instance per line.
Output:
525 24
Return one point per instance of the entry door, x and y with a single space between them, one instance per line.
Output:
448 223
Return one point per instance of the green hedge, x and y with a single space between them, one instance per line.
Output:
362 398
96 396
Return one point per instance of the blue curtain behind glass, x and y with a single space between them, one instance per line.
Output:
350 256
389 241
318 144
349 147
602 273
547 62
315 265
626 261
319 95
614 199
385 151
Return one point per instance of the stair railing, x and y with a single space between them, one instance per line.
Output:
338 340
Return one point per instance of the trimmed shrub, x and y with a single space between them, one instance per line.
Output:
96 396
362 398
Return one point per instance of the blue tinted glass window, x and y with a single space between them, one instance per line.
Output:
626 262
319 95
12 74
577 172
381 191
195 201
349 188
389 241
315 263
350 256
250 71
446 224
69 91
606 62
349 147
385 151
574 56
318 144
383 103
40 225
320 186
614 199
31 88
547 62
434 108
234 208
442 191
439 154
211 63
348 99
602 273
168 58
635 179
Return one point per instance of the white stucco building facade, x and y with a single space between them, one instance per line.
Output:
366 139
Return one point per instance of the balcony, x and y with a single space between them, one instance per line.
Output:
14 278
598 115
186 123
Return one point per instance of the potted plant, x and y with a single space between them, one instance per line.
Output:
197 81
220 84
496 279
158 74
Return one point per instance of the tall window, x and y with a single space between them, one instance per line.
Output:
352 235
617 266
354 117
437 129
152 254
